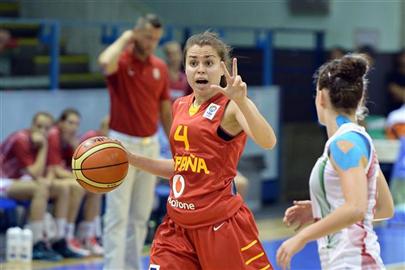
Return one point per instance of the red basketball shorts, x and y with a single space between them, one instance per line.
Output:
229 245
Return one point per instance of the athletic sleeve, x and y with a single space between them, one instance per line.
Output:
22 152
349 150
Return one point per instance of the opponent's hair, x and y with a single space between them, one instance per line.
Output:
346 81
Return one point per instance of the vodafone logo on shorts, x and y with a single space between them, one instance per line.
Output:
178 185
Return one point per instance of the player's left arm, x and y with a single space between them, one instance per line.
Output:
254 124
349 155
244 110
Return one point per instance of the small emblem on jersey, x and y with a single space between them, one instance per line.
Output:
178 185
154 267
156 73
216 228
131 72
211 111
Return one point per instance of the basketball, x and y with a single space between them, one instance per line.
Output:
100 164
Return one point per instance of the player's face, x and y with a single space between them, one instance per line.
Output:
147 40
70 126
42 124
203 69
319 110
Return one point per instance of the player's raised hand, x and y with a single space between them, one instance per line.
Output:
235 89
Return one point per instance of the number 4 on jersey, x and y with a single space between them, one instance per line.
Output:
181 136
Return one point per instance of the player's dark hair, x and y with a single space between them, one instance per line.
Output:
346 81
208 38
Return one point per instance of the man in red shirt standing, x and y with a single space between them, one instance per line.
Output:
23 158
62 143
138 85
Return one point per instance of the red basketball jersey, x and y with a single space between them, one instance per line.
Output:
205 165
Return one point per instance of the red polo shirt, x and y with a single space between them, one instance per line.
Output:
136 91
17 152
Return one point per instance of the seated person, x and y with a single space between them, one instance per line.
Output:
62 143
395 125
22 173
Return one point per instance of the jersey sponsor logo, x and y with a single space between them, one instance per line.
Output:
181 205
211 111
156 73
190 163
178 185
154 267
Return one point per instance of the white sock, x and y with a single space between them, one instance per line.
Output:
37 228
61 228
70 231
86 229
97 226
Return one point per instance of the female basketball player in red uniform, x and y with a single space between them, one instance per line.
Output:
206 218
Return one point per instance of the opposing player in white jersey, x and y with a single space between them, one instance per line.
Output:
348 190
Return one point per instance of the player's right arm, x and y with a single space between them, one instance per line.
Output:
108 59
160 167
385 204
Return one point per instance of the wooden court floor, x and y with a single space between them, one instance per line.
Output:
272 233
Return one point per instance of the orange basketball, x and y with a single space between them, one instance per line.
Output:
100 164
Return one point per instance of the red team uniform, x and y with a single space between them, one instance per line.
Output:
17 153
205 217
59 153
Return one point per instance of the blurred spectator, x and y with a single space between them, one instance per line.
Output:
178 85
336 52
62 143
135 77
4 39
23 158
395 125
396 83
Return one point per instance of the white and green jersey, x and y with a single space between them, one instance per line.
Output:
356 246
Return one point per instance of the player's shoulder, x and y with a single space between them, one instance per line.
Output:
350 142
20 136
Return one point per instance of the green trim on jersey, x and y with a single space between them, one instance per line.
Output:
324 203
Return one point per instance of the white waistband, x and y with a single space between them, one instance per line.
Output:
132 139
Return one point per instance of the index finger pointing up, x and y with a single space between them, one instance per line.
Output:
234 67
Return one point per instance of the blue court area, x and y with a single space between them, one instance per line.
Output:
392 240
